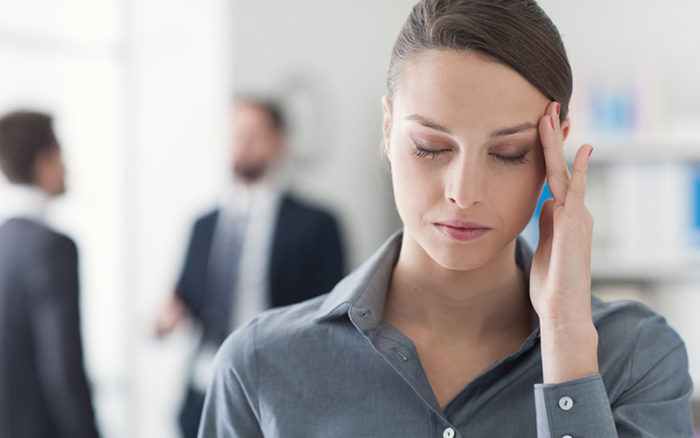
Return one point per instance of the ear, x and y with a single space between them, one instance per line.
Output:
41 165
46 165
386 122
280 142
565 128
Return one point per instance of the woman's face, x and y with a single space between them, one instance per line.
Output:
463 142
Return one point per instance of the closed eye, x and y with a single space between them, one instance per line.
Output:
426 153
512 160
422 151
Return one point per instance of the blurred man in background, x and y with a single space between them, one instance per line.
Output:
261 248
43 388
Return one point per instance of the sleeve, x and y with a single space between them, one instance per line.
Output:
57 342
655 401
188 286
231 405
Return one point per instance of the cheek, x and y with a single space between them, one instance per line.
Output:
249 151
517 192
416 185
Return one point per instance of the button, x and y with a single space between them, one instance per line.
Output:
566 403
448 433
567 436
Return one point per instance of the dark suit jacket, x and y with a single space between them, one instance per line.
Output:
306 261
43 388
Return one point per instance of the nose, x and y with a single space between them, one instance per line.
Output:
464 186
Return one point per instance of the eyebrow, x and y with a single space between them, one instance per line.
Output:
428 123
513 130
499 133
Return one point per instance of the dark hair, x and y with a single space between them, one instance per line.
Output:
269 106
516 33
23 136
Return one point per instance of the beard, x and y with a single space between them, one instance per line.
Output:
250 173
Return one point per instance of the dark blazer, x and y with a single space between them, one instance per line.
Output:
306 261
43 388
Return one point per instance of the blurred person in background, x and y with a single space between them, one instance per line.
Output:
260 248
43 387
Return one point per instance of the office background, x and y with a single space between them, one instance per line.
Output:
141 92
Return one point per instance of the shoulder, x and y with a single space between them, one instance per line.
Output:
631 321
207 219
293 206
35 238
273 332
204 225
43 260
312 224
638 349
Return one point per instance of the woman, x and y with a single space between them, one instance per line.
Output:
454 328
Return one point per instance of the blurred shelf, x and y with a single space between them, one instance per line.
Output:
610 269
634 151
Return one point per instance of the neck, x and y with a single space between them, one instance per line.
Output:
23 200
459 307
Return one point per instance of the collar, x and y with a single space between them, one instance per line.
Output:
23 201
362 294
239 196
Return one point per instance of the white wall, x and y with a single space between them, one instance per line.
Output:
179 67
619 41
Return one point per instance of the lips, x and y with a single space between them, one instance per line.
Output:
462 224
461 230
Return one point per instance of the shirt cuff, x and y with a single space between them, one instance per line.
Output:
574 409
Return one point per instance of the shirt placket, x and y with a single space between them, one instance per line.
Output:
403 358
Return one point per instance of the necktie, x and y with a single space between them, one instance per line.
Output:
225 261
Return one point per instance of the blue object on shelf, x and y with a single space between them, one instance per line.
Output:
613 109
695 193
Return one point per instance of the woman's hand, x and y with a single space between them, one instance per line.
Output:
560 277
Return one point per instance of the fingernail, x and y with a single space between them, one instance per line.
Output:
551 120
590 152
558 109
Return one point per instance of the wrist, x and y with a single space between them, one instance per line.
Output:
568 327
569 351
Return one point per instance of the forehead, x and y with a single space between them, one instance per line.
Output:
250 113
465 90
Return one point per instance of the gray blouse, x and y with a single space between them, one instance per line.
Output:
331 367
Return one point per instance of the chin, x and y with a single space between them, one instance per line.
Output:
58 192
460 259
58 189
457 256
250 173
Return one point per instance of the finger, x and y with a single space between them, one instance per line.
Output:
577 185
546 221
552 146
